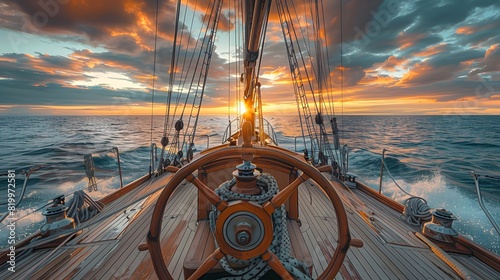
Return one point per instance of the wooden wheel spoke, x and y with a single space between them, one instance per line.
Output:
209 262
284 194
208 193
274 262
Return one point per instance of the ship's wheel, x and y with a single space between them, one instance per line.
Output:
246 241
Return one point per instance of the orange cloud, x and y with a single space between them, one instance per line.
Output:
378 80
7 59
391 64
423 74
471 29
432 50
406 40
466 30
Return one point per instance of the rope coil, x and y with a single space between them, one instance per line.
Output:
416 211
280 246
83 207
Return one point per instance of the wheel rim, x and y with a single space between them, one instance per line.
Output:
186 171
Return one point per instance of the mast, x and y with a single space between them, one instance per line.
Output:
256 14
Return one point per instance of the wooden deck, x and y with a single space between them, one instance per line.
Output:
107 246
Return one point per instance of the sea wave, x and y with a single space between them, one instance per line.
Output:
430 156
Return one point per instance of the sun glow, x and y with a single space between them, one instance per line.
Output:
242 108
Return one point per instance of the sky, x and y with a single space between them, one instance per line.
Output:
88 57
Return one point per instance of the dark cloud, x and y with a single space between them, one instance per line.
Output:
439 68
490 62
434 16
114 24
19 93
76 16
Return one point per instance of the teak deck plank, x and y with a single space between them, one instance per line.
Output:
378 259
173 232
82 260
319 209
314 235
97 259
117 264
391 217
95 234
477 269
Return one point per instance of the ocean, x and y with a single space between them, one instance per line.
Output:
428 156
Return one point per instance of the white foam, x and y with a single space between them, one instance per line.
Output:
27 221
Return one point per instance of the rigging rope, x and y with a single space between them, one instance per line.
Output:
164 140
168 126
195 92
319 142
238 42
197 100
184 80
330 81
151 167
172 68
280 246
295 36
341 69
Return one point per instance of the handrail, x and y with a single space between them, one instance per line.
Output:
266 126
481 202
381 171
119 165
344 158
295 142
228 131
153 158
208 139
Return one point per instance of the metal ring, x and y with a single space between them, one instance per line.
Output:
236 218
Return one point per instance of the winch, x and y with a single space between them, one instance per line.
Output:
440 227
56 217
